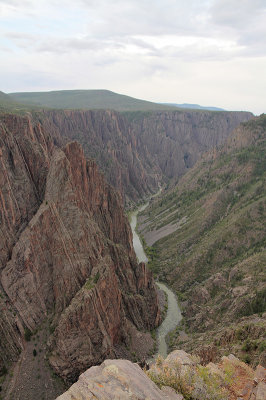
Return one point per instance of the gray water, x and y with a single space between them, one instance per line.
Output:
140 253
173 316
172 319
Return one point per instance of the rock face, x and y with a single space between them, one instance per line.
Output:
177 377
137 151
214 254
116 379
66 252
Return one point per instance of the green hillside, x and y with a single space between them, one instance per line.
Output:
214 252
10 105
86 99
7 103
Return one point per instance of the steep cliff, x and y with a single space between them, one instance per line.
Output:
66 253
138 150
208 237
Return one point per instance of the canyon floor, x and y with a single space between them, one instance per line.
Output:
32 377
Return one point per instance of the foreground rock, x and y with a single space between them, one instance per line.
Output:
177 377
116 379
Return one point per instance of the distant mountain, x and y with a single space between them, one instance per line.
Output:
193 106
6 102
5 97
9 104
87 99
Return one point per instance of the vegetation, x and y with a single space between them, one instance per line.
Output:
193 384
8 104
216 256
91 281
86 99
27 334
3 371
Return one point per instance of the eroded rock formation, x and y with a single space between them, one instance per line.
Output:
138 150
66 252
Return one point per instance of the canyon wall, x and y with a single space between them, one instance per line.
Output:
208 238
138 150
66 252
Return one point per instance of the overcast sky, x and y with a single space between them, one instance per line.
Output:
210 52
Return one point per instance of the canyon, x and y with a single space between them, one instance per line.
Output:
138 150
206 239
69 274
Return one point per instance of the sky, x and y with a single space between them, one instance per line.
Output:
209 52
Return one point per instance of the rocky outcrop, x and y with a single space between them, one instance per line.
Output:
66 252
177 377
137 151
117 379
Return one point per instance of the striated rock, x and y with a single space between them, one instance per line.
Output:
117 379
107 137
137 151
67 253
24 163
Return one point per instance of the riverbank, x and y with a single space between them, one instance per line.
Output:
173 313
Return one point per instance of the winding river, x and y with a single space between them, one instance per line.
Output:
173 316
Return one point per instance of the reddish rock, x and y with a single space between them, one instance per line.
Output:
67 252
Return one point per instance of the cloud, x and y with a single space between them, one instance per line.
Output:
143 48
237 14
245 21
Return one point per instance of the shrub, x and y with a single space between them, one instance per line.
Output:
262 346
194 384
257 304
96 278
34 353
3 371
247 359
27 334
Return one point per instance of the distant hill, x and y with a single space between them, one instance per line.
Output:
87 99
193 106
6 102
9 104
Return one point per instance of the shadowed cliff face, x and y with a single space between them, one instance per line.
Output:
66 252
137 151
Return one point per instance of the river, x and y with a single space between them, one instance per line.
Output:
173 316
